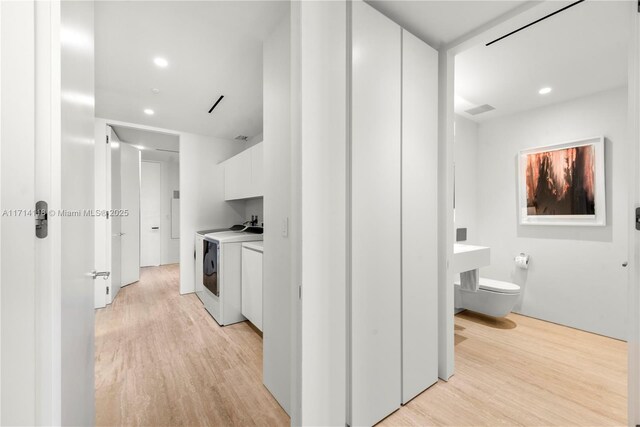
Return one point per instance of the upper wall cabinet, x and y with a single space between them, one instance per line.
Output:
243 174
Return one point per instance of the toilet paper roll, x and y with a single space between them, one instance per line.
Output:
522 261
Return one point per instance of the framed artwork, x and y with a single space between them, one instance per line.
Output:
563 184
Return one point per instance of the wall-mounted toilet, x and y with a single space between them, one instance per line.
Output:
493 298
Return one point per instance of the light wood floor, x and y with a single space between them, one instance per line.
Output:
162 360
523 371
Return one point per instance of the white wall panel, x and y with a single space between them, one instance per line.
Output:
375 219
419 216
277 211
323 94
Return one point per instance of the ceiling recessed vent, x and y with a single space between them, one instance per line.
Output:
241 138
479 110
216 103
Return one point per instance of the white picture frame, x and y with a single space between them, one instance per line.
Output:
598 218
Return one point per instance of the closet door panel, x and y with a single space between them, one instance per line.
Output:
375 224
419 216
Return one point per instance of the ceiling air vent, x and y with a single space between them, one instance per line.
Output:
241 138
479 110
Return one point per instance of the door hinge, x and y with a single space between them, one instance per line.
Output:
638 219
299 291
107 290
42 219
108 135
638 6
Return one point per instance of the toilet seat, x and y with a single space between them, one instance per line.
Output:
497 286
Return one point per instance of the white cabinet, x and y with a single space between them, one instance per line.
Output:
394 258
243 174
257 167
375 209
419 216
252 283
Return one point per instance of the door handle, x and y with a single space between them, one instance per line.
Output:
104 274
155 228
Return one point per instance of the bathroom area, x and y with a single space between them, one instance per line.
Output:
541 214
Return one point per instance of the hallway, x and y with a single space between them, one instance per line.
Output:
162 360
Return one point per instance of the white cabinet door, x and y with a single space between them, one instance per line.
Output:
419 216
237 176
257 160
243 174
375 204
252 286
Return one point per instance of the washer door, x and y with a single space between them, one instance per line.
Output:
210 255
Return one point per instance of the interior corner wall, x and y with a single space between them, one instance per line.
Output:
466 174
575 276
277 213
169 181
202 204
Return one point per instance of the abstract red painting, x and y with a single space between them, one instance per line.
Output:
563 182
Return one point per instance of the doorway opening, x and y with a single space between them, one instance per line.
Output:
142 199
540 146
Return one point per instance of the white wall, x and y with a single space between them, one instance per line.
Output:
169 181
277 210
575 276
466 170
254 140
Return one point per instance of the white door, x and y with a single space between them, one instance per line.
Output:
634 227
130 221
76 232
47 337
115 220
18 244
150 204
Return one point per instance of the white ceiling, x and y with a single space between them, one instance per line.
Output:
441 22
213 48
580 51
147 139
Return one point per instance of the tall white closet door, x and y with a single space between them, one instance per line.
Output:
419 216
375 207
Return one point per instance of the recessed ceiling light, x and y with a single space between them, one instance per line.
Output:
160 62
544 90
139 147
149 112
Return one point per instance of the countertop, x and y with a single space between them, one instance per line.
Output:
256 246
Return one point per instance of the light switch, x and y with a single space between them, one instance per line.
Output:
285 227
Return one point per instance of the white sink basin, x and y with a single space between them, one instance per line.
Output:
469 257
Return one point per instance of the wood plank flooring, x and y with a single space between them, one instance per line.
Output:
162 360
523 371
